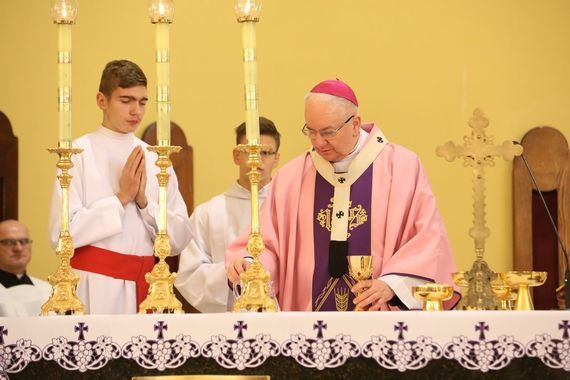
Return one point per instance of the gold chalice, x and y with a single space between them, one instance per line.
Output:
502 291
459 279
522 280
360 268
432 295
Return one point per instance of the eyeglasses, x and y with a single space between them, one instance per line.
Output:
267 153
13 242
326 133
262 153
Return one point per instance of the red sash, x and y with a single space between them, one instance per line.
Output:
116 265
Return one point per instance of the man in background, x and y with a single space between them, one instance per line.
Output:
21 295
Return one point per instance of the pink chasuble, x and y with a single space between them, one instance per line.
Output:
407 235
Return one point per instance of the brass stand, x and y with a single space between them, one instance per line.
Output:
522 281
256 291
63 299
161 296
478 153
479 294
432 295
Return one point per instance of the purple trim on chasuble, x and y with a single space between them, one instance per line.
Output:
329 293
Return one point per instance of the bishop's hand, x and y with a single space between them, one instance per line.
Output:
236 268
377 293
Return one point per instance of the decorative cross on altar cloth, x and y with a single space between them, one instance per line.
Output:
482 327
564 325
319 326
240 326
478 152
161 327
400 327
81 328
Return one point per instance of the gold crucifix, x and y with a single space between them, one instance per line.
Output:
478 152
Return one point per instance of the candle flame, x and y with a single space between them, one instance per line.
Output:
161 10
64 11
247 10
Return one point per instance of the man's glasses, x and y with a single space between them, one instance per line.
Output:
13 242
326 133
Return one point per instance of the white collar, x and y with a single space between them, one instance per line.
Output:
342 165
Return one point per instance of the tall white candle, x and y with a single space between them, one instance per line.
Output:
163 83
64 82
250 82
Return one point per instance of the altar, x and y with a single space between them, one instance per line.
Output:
407 344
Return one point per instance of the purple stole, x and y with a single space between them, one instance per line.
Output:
329 293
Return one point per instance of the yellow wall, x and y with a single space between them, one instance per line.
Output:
419 69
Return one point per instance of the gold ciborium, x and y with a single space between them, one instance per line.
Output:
503 292
432 295
522 281
460 280
360 268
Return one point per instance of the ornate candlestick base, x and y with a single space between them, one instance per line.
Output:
256 293
522 280
161 297
63 299
480 294
64 282
432 295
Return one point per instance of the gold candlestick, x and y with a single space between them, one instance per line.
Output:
256 293
161 297
256 290
63 299
64 281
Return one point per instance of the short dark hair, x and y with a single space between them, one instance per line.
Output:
266 127
121 73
